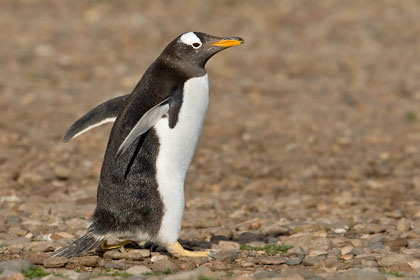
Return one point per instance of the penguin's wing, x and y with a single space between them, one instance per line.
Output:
147 121
101 114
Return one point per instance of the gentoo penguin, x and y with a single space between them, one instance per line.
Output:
150 148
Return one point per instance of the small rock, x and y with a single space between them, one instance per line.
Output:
15 265
36 258
229 245
357 251
340 230
43 247
13 221
207 273
294 261
248 237
347 249
299 274
72 275
272 260
359 243
117 264
113 255
275 230
309 242
137 254
156 258
393 259
369 228
52 262
262 274
396 244
400 267
377 238
186 275
403 225
359 274
89 261
346 257
226 255
296 251
138 270
162 265
15 276
311 261
315 253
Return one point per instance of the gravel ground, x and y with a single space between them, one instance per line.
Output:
308 166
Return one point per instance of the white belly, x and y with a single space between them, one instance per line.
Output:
177 147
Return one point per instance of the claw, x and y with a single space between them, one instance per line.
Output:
178 251
121 245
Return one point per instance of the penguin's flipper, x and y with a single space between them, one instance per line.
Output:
101 114
147 121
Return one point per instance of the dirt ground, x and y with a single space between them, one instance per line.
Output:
311 139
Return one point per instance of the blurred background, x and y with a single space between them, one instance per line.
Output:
314 119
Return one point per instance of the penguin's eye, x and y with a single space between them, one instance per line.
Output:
196 45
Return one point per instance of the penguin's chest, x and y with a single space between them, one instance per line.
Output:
178 144
176 150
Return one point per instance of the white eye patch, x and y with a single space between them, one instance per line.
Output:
191 39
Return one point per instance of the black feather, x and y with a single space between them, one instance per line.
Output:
85 243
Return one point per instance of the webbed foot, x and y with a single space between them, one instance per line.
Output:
178 251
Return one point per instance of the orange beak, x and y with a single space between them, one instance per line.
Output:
227 43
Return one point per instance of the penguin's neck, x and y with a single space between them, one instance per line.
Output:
188 69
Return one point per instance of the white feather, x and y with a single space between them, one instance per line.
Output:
177 147
108 120
190 38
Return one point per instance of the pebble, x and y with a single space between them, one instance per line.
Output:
206 273
301 274
164 265
186 275
42 247
296 251
53 262
275 230
156 258
248 237
229 245
72 275
226 255
14 276
369 228
15 265
263 274
137 254
89 261
308 242
311 261
403 225
396 244
13 221
138 270
393 259
272 260
36 258
294 261
358 274
117 264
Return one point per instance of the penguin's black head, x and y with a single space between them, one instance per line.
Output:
194 49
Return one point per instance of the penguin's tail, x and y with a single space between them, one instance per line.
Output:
87 242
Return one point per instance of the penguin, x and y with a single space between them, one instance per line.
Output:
150 148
